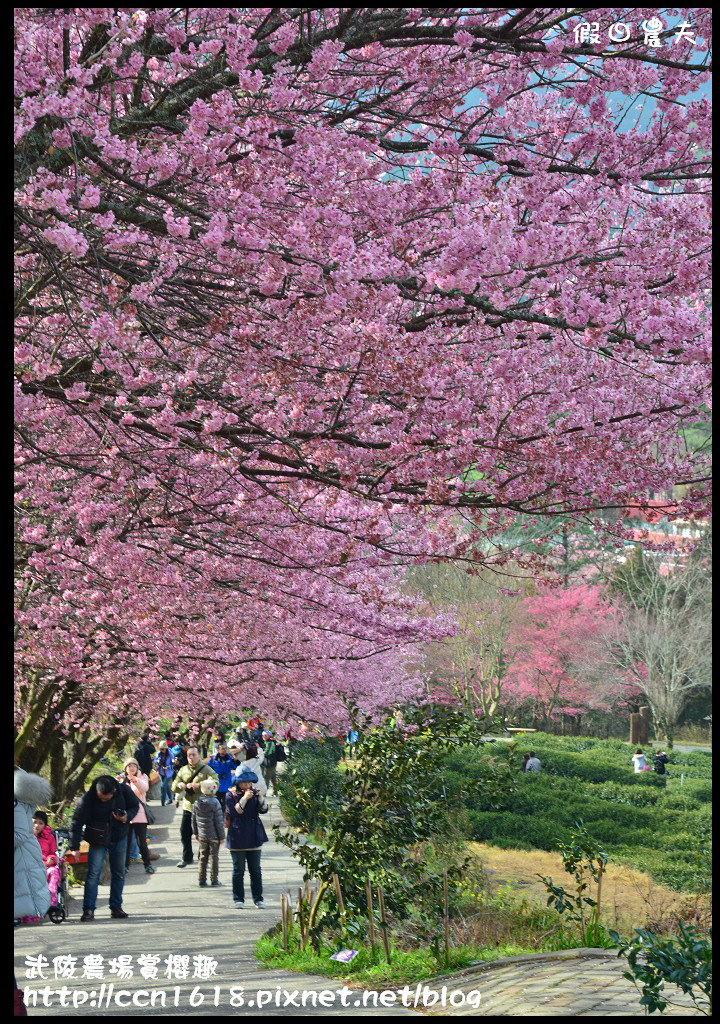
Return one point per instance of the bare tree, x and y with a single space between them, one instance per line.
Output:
470 666
664 634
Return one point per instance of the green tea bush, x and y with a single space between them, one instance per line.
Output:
677 800
694 758
512 831
645 820
636 796
698 789
591 767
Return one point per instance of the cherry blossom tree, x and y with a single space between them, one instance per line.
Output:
304 295
559 666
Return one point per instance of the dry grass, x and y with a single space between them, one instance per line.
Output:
630 898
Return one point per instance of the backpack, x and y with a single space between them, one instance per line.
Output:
280 754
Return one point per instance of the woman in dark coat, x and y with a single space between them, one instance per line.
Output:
245 836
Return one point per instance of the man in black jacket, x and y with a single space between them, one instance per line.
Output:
143 753
102 818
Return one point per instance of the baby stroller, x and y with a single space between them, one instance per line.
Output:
60 910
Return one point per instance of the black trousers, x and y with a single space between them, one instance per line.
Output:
186 836
252 858
141 835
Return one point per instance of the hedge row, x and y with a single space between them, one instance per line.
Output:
652 822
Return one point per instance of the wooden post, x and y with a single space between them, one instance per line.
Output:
339 898
446 916
383 918
371 913
635 728
283 915
644 725
599 893
301 917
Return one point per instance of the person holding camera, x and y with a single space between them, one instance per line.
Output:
245 836
101 818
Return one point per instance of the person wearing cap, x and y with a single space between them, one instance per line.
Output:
139 783
242 733
245 836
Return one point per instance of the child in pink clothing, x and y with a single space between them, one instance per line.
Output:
48 846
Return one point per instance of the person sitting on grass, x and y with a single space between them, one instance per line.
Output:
209 830
639 761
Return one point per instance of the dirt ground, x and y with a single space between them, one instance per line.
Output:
630 898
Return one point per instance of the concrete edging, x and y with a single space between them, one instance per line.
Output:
582 952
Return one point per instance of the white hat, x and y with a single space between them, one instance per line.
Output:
234 745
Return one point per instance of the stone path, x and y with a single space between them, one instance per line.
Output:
570 983
169 914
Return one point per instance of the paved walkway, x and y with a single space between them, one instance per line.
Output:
169 914
571 983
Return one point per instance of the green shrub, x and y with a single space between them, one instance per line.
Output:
636 796
679 801
315 769
645 820
514 832
695 788
684 960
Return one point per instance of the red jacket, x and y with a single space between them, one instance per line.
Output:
48 846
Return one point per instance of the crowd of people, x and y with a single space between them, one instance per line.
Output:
221 789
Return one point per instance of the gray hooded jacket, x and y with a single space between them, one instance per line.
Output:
208 821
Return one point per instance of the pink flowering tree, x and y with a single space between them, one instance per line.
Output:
560 666
304 295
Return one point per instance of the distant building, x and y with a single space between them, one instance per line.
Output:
652 526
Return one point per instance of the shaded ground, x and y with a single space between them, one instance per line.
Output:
568 985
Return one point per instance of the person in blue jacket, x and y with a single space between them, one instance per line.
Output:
223 765
163 762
